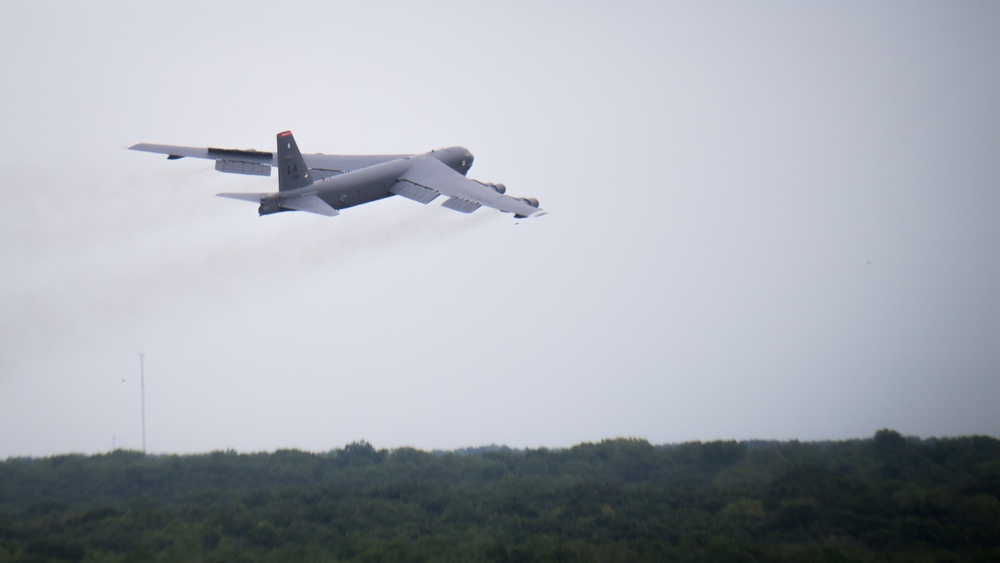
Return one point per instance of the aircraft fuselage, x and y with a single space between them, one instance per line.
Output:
365 185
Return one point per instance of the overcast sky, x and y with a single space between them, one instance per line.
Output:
774 220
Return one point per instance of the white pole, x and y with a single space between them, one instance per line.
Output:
142 387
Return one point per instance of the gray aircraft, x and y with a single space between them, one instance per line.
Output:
325 184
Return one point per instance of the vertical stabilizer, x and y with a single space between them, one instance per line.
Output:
292 171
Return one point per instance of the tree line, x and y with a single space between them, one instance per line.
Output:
886 498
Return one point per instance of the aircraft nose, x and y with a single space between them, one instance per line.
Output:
462 158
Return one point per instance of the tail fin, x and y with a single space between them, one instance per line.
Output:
292 171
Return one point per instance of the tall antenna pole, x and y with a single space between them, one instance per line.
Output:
142 388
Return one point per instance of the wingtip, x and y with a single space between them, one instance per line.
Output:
538 213
145 147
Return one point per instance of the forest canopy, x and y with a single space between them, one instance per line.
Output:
618 500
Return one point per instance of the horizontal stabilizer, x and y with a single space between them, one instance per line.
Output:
244 196
459 204
414 192
310 203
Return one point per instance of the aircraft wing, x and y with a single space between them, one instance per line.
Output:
174 152
235 161
428 177
259 163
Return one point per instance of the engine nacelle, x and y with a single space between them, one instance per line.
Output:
530 201
498 188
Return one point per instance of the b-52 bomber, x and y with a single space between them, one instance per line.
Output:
325 184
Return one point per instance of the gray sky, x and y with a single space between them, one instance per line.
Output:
767 220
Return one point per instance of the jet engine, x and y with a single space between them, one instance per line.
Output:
498 188
530 201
